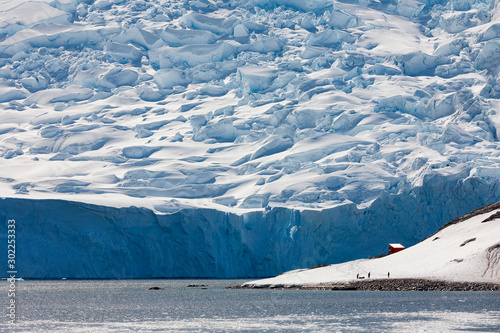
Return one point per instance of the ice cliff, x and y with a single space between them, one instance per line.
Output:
255 136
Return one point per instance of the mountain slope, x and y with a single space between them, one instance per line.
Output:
467 251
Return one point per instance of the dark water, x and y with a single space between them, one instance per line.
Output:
127 306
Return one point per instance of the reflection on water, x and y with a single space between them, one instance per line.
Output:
128 306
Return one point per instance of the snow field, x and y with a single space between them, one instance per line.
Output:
468 251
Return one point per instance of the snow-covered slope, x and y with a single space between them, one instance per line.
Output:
246 103
317 117
467 251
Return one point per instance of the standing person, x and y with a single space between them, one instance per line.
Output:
368 274
388 274
357 276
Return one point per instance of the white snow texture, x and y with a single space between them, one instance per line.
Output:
278 134
468 251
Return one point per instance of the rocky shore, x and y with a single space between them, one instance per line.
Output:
389 285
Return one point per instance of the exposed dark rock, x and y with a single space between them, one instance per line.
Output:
390 285
422 285
468 241
155 288
378 256
492 217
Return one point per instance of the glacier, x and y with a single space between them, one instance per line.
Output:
241 138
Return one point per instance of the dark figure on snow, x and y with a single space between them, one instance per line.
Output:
388 274
368 274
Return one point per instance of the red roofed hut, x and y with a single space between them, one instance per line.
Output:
393 248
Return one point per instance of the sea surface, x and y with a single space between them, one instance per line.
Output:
128 306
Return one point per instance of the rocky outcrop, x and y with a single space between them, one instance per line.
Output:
389 285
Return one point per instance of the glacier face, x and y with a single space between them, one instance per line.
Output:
306 118
58 238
